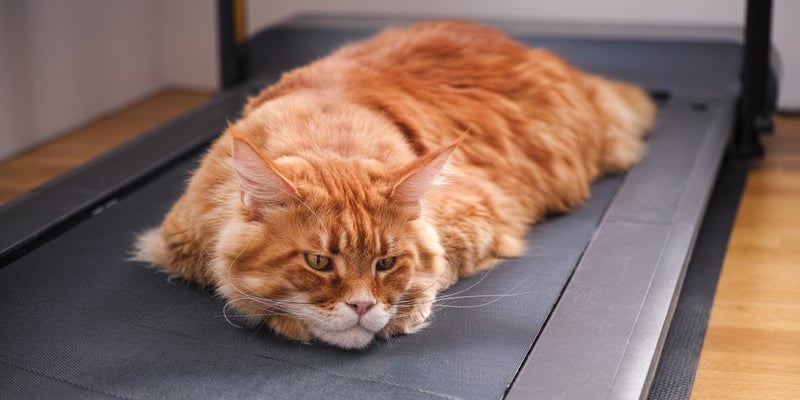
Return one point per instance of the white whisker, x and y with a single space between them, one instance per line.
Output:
225 315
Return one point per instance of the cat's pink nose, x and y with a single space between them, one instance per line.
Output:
361 307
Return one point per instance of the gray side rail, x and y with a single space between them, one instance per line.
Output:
605 335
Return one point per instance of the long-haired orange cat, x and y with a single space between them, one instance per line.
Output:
356 188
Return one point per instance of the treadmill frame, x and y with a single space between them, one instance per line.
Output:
632 360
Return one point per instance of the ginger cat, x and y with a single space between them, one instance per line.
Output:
356 188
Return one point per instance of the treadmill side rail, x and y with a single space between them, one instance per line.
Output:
606 332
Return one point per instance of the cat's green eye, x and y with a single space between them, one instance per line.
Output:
385 263
318 262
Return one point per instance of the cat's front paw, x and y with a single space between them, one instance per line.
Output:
409 319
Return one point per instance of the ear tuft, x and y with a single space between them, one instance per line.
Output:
421 175
260 182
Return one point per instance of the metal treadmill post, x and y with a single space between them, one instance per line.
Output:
755 107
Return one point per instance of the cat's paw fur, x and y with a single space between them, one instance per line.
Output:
410 319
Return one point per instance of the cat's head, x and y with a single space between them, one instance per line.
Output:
335 250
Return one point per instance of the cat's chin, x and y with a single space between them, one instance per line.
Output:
354 338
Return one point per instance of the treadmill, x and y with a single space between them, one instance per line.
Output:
585 314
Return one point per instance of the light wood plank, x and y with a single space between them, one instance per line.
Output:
752 346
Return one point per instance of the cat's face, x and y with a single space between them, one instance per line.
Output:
334 250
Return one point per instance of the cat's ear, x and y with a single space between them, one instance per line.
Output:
421 175
260 183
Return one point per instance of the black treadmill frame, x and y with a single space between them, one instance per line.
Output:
755 105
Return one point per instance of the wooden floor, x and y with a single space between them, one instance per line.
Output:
752 347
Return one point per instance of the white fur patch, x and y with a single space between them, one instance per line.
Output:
342 327
150 247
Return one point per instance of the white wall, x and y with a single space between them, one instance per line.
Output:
189 43
786 37
714 12
63 63
15 116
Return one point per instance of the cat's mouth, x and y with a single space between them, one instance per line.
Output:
344 328
355 337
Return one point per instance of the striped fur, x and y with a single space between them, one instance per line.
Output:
437 144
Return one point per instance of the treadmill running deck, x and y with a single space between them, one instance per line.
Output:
583 312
